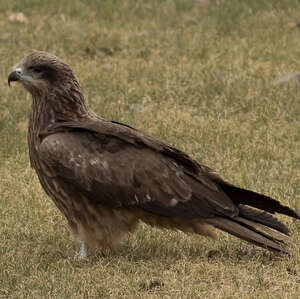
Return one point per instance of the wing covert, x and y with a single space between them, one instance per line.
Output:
118 173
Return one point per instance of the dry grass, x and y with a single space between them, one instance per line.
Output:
196 75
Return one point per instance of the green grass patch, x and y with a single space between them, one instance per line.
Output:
197 74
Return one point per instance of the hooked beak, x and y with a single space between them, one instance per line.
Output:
14 76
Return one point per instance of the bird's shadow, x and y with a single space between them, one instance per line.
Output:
161 253
151 249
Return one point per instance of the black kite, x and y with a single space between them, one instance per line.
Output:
105 176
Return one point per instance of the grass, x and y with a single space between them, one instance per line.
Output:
196 75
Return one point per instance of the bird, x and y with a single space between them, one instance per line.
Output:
105 176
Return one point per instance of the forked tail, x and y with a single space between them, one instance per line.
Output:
253 225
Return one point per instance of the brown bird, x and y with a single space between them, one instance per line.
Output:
105 176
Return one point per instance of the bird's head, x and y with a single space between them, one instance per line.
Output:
40 71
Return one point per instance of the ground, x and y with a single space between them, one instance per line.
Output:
197 74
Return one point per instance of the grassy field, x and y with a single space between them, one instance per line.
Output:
197 74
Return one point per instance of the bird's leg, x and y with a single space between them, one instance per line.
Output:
83 251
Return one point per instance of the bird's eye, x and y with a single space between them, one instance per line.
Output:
37 69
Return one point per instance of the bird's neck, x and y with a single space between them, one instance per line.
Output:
49 109
55 107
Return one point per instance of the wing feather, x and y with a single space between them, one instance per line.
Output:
120 167
119 171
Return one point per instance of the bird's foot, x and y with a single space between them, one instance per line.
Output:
83 251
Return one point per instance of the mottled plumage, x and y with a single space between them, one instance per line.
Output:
105 176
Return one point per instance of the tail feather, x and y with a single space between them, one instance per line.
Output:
252 232
264 230
246 197
263 218
255 226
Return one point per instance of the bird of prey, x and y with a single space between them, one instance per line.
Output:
105 176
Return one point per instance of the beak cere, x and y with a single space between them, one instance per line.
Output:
14 76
